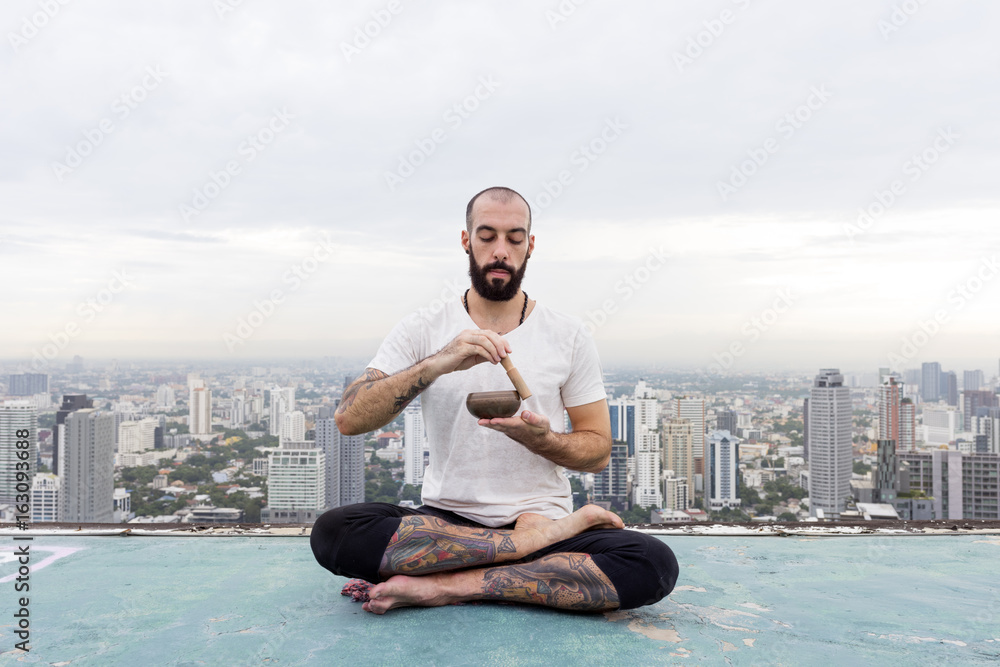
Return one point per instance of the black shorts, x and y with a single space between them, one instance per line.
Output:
350 541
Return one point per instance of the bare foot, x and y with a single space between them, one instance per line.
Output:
404 591
536 532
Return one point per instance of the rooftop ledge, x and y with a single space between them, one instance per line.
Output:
817 529
816 597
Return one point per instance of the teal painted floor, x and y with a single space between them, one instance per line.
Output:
742 601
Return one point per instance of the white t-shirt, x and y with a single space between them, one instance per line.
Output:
474 471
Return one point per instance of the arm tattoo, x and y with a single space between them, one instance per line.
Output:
564 580
424 544
410 394
368 379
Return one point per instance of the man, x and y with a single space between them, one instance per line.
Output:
497 520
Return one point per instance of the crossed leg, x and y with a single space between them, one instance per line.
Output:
430 562
431 557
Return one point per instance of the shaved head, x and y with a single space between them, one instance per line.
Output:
497 193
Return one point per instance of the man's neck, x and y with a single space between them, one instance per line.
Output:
500 316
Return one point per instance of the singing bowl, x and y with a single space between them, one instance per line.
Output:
490 404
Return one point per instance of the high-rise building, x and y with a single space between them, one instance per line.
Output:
648 459
200 411
722 471
907 426
888 409
344 461
611 484
296 483
941 424
693 409
675 491
27 384
886 472
678 450
45 505
135 437
623 422
18 449
293 426
88 458
930 385
165 398
414 444
973 380
805 429
961 486
830 456
972 401
70 403
949 387
725 420
282 400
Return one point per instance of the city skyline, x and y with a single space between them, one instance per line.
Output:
801 207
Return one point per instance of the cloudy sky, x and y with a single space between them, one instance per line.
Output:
751 184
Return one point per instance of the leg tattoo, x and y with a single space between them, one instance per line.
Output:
424 544
566 581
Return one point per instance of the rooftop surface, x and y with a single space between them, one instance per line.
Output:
745 600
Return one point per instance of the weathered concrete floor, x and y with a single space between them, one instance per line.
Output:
741 600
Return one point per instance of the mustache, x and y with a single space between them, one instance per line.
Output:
498 265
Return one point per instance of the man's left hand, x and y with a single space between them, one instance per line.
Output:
529 428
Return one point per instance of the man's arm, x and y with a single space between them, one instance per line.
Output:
587 448
375 398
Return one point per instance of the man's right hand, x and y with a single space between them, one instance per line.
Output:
469 348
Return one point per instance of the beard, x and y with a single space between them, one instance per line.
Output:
495 289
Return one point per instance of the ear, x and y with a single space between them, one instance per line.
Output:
531 244
465 241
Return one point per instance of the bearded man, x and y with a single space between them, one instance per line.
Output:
497 520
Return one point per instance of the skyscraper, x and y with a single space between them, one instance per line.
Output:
611 484
886 472
830 459
70 403
296 482
648 459
930 385
88 457
165 398
328 440
972 401
18 449
200 411
805 428
344 462
907 426
722 471
678 450
293 426
888 409
693 409
414 443
973 380
623 422
282 400
725 420
949 387
27 384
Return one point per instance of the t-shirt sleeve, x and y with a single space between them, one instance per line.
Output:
399 350
586 378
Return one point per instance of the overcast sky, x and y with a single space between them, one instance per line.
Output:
178 162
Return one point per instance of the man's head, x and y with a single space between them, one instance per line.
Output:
498 240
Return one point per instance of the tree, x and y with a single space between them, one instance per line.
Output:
861 468
410 492
787 516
